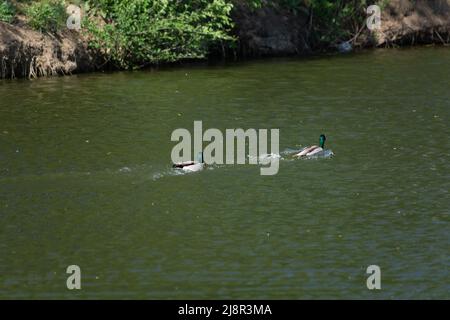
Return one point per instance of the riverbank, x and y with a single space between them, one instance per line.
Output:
266 30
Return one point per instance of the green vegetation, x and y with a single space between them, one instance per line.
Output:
337 20
139 32
47 15
7 11
134 33
332 21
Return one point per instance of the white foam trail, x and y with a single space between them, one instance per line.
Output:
289 151
168 172
175 172
265 158
324 154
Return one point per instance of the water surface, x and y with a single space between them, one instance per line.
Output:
85 179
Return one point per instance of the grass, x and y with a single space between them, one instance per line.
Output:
7 11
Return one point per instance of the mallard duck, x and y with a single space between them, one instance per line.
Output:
191 166
312 150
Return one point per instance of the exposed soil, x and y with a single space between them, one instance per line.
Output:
415 22
28 53
274 31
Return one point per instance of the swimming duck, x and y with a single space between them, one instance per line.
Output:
312 150
191 166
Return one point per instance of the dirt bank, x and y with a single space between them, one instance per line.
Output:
276 31
415 22
28 53
267 31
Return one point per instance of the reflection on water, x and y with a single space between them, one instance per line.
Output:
86 179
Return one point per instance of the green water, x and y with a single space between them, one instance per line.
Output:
85 179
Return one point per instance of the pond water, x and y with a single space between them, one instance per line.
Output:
86 179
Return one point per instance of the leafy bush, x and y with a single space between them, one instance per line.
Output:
336 20
138 32
7 11
333 21
47 15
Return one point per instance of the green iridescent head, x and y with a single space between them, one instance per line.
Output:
322 140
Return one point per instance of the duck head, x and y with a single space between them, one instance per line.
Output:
322 139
